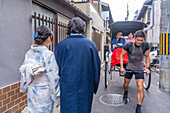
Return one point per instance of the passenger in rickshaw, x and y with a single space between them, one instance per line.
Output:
136 50
118 42
130 38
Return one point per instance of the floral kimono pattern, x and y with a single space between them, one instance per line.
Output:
42 85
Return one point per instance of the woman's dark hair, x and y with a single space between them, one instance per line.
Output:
42 33
139 33
76 25
130 33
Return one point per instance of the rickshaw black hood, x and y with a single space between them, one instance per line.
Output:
126 27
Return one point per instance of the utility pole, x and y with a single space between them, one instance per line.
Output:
165 16
127 12
164 82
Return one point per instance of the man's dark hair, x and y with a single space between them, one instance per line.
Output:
76 25
119 32
139 33
43 33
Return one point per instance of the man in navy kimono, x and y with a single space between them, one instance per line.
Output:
79 69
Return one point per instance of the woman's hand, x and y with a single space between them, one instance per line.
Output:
58 104
114 46
120 44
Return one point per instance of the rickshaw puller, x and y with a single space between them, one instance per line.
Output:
136 50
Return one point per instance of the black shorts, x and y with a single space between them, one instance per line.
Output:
137 75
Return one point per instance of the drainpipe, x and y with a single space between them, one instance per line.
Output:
153 7
99 6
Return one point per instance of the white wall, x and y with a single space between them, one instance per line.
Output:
154 33
63 19
157 22
97 20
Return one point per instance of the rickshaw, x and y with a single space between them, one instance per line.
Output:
112 63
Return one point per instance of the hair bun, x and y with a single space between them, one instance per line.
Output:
42 34
39 40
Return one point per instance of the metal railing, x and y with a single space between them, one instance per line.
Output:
59 28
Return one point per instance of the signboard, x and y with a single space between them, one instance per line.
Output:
164 44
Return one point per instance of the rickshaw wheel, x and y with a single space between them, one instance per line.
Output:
106 74
147 81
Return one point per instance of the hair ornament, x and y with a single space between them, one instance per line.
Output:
35 35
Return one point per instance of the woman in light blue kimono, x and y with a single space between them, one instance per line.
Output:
39 74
